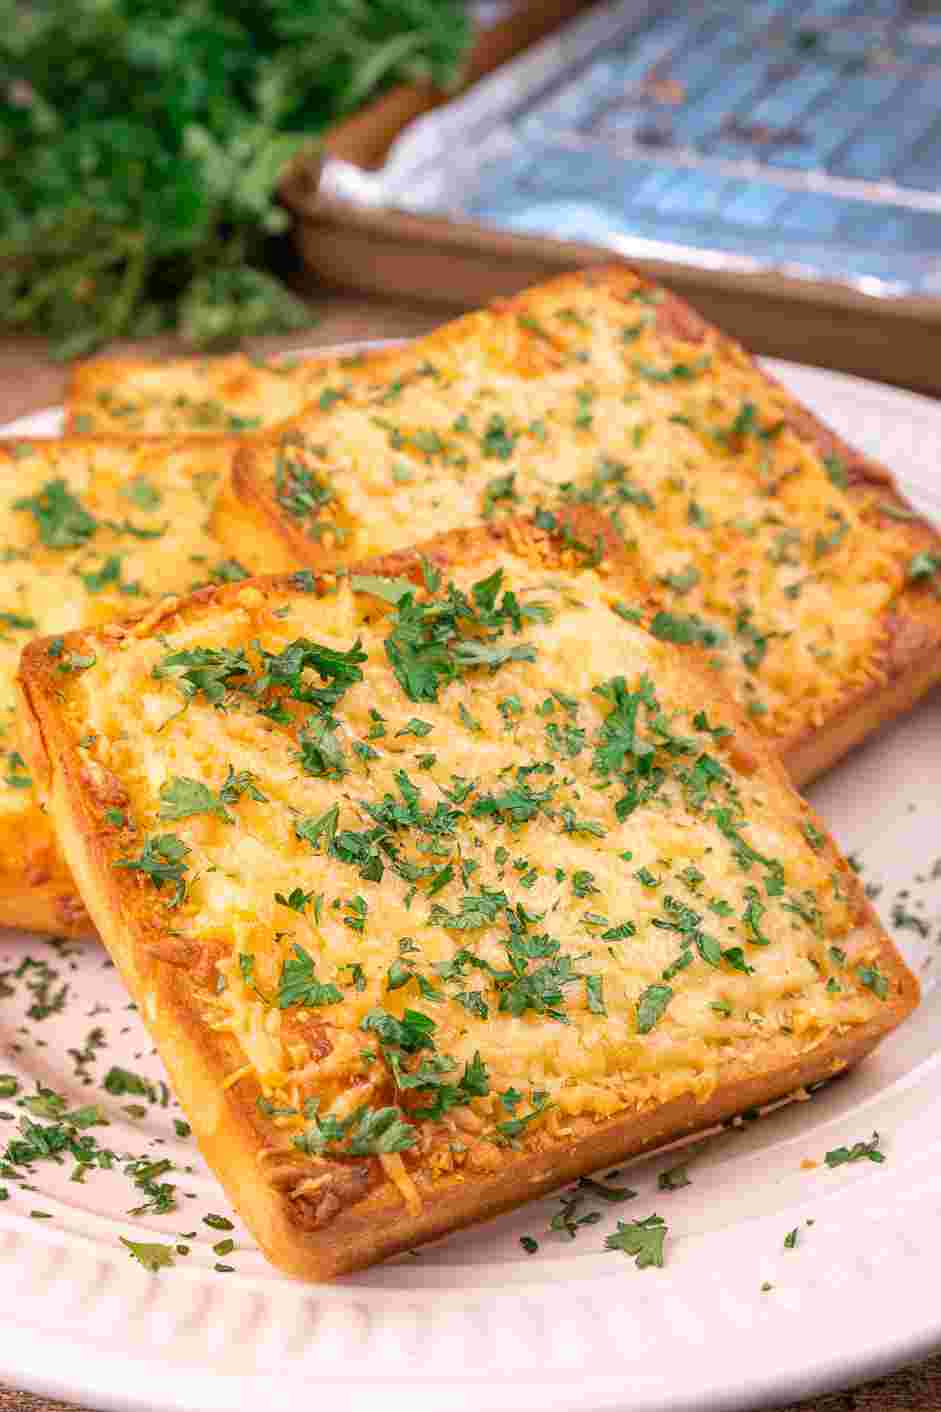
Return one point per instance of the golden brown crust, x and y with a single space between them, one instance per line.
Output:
909 661
41 896
377 1222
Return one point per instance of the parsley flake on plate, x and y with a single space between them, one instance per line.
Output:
643 1240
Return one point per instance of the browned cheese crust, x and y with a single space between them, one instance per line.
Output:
323 1215
97 528
235 394
908 663
381 480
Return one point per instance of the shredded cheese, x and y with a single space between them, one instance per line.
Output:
742 530
194 396
698 928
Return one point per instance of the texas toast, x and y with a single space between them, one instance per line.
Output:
443 881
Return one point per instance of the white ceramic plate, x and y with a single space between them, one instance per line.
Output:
474 1322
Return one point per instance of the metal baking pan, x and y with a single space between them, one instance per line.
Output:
787 150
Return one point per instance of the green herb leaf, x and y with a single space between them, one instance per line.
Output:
299 984
62 520
874 980
923 566
389 590
643 1240
673 1179
669 627
151 1255
181 797
859 1152
162 860
652 1006
142 493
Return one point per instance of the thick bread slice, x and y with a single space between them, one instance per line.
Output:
431 907
221 396
762 538
96 530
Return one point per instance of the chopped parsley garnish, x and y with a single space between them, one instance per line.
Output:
297 899
162 860
210 670
873 979
300 492
367 1132
594 995
679 372
150 1254
860 1151
681 583
673 1179
500 490
62 520
389 590
826 543
515 805
19 622
107 576
923 566
641 1239
415 727
669 627
498 441
568 1218
228 571
17 776
120 1082
605 1191
514 1127
182 797
477 910
540 989
652 1006
77 662
425 1079
161 1196
836 472
142 493
752 915
426 646
299 985
218 1223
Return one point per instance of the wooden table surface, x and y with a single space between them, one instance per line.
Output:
28 381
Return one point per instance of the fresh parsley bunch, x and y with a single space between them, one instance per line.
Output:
142 142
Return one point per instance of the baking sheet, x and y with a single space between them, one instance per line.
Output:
795 137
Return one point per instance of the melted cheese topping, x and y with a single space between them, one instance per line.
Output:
146 533
621 898
198 397
742 531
